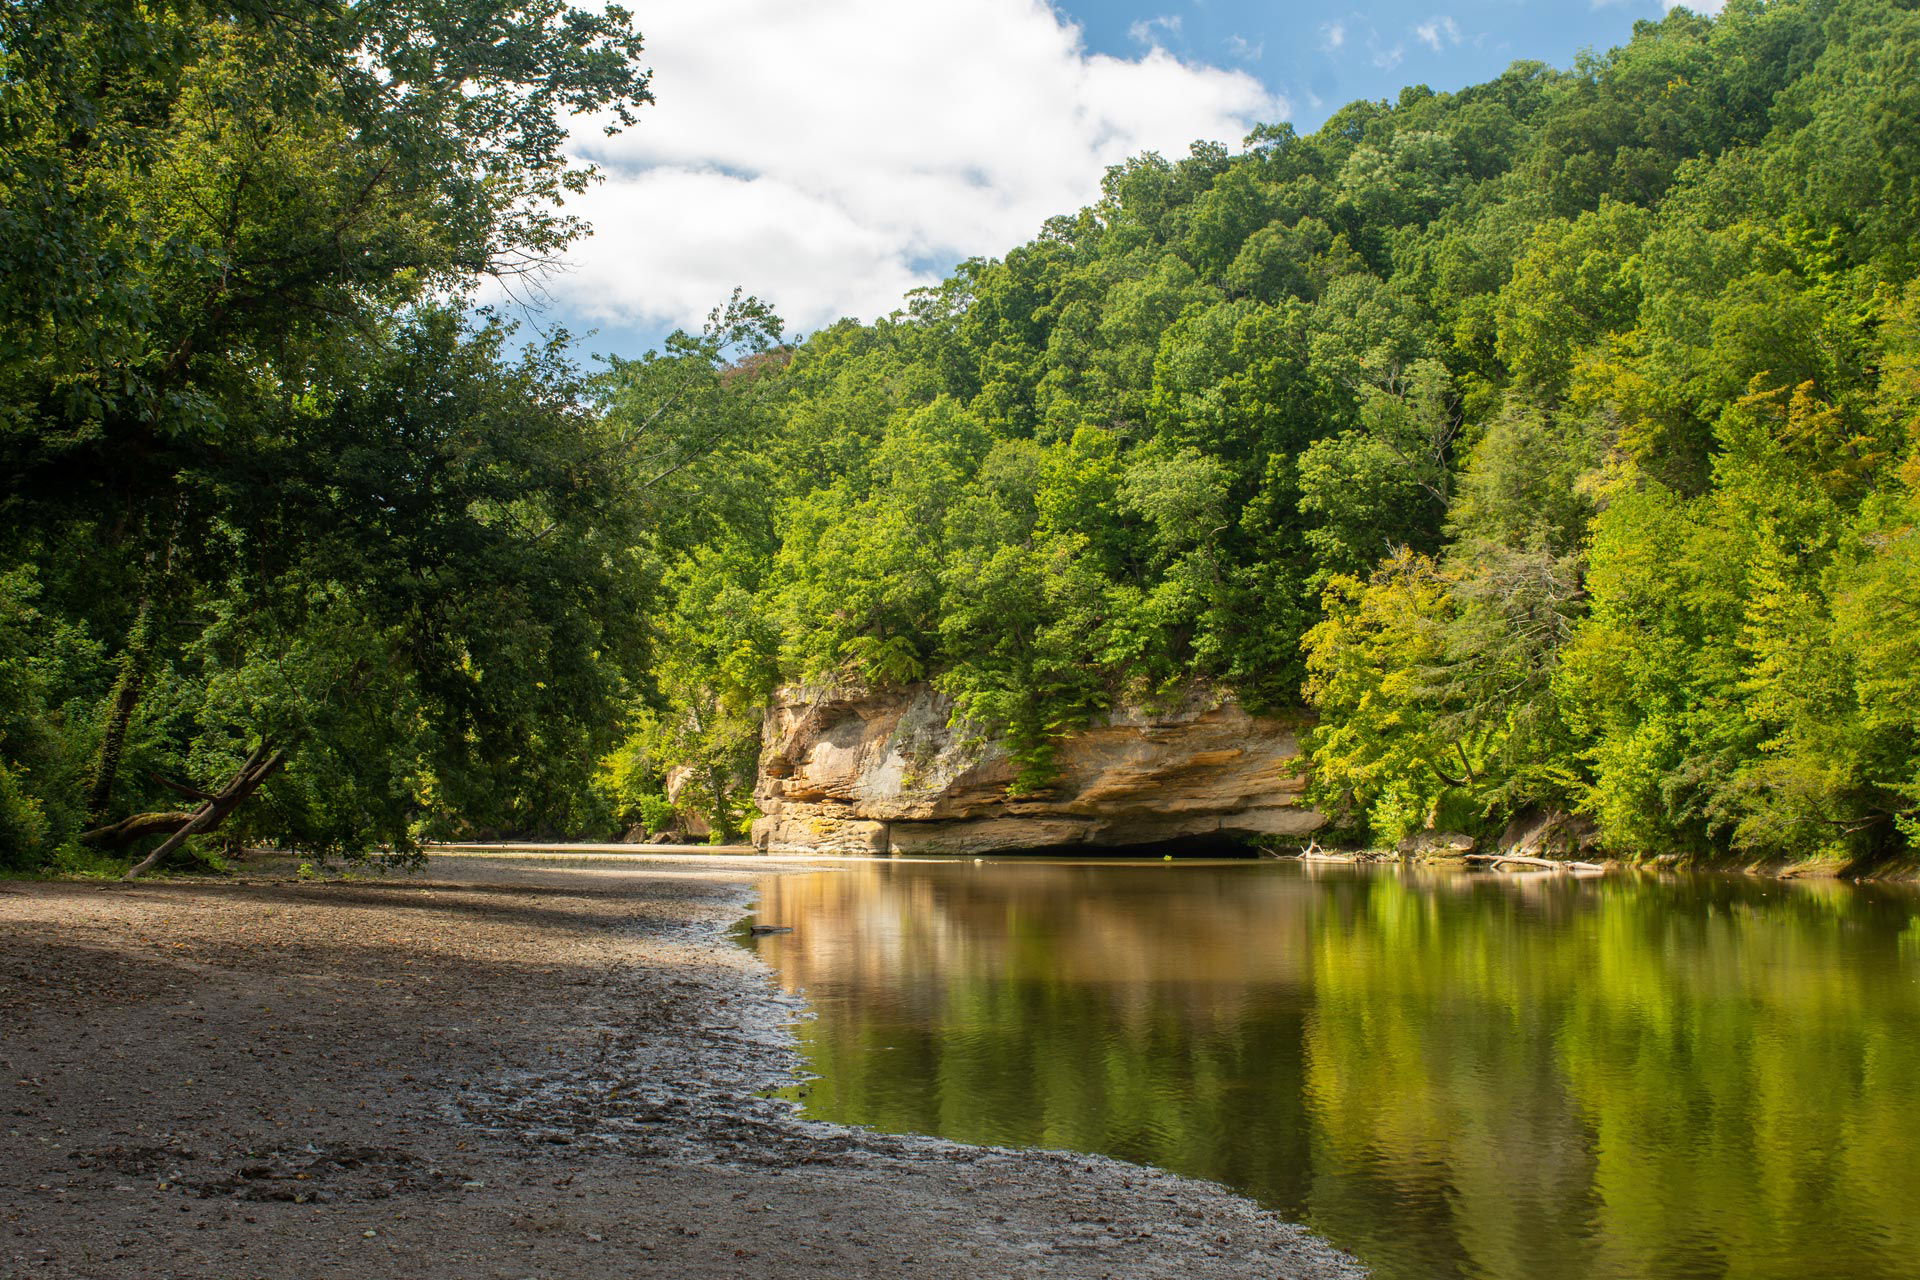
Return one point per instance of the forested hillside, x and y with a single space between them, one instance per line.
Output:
1553 440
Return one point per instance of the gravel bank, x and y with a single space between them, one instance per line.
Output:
496 1069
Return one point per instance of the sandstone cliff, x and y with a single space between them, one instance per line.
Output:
881 772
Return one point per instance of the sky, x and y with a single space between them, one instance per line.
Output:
830 155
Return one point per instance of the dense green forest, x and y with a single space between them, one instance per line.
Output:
1552 440
298 546
1555 442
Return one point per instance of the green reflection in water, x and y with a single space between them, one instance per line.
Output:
1450 1075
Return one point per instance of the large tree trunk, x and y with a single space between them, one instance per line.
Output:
131 681
127 687
259 766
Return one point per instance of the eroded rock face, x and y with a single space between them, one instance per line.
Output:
881 772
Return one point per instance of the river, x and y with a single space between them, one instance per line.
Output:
1529 1077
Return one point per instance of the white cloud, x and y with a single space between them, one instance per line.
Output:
1337 34
1241 49
833 155
1438 32
1147 30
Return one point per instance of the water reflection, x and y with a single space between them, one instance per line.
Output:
1450 1075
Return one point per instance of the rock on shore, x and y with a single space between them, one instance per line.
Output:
885 772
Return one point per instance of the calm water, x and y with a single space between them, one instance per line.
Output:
1527 1078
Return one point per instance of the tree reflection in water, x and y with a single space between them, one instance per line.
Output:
1525 1077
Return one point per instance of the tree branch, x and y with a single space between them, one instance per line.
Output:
191 793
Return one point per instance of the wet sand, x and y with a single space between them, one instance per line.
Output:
496 1068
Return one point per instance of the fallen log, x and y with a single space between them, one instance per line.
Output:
259 766
1314 853
1497 860
118 835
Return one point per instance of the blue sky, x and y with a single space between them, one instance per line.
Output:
1322 59
832 154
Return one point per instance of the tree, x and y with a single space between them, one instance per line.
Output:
227 221
399 612
1380 759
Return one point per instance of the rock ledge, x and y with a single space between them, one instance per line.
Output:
881 772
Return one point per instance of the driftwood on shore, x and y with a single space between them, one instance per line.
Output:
1496 860
1314 853
1492 861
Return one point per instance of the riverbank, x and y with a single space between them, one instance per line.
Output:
496 1069
1891 872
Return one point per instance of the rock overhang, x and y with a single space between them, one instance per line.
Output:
889 771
